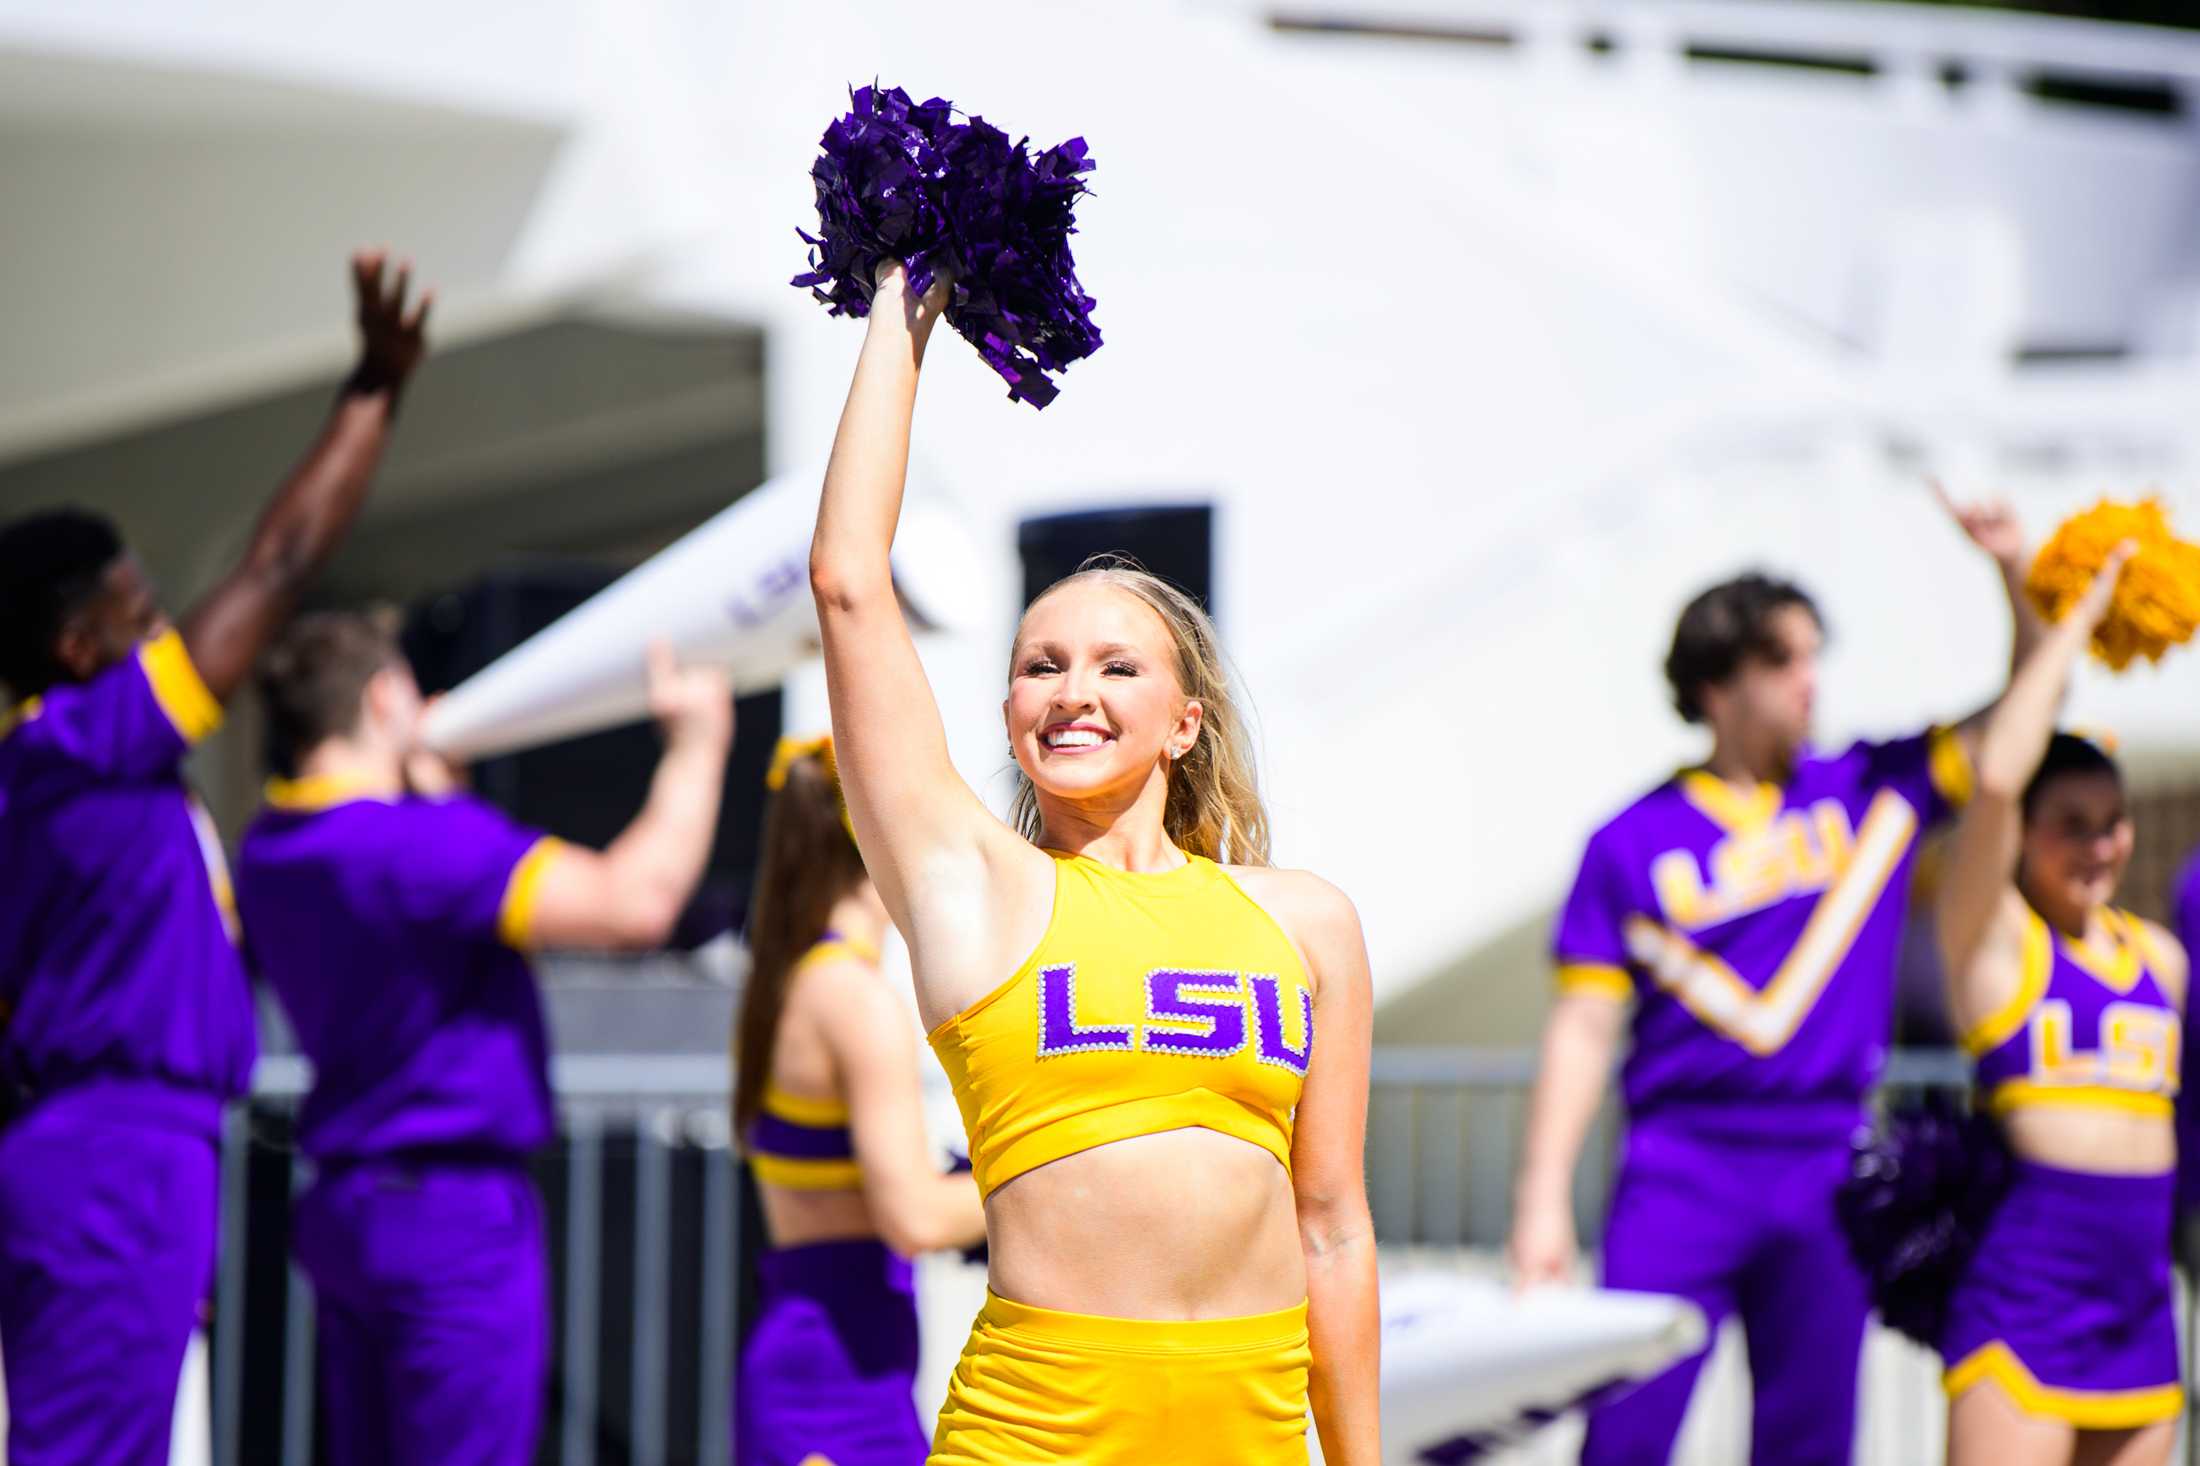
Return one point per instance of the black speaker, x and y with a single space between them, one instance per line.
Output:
1174 541
587 789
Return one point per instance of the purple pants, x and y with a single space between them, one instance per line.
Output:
1733 1210
107 1205
431 1286
830 1368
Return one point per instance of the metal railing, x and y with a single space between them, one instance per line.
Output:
645 1206
1909 46
1443 1140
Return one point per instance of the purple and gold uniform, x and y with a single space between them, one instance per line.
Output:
2067 1302
828 1370
1757 936
2185 916
125 1015
393 931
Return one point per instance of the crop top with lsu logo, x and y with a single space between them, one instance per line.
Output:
1162 1000
2085 1026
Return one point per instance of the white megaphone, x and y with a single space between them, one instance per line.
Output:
1468 1363
734 591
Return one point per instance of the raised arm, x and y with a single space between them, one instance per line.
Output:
1994 527
916 822
629 895
1329 1179
1982 859
298 531
915 1206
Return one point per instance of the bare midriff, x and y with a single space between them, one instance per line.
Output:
796 1218
2104 1142
1185 1224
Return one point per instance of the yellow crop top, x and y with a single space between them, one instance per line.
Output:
1155 1001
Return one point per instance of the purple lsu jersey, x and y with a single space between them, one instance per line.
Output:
2185 911
1758 932
393 930
118 956
2185 918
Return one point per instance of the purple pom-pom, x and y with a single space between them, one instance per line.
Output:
1921 1188
904 180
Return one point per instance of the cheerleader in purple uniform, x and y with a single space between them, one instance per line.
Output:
2061 1340
396 920
125 1016
2185 913
826 1103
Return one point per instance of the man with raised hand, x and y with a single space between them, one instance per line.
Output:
1748 910
396 923
125 1019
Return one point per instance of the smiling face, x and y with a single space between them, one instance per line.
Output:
1095 707
2077 841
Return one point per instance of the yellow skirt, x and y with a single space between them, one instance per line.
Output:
1036 1385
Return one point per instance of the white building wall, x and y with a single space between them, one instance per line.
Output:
1487 361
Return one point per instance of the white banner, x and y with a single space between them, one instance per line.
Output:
735 591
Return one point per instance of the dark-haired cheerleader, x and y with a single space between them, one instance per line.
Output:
827 1104
2060 1341
2185 913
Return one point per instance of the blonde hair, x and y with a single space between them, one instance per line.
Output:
1214 806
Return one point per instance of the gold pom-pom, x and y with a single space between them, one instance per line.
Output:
2157 602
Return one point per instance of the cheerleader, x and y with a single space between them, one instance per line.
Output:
1127 998
827 1105
2061 1339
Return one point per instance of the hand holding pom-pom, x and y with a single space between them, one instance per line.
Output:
900 181
920 309
2100 597
2152 606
